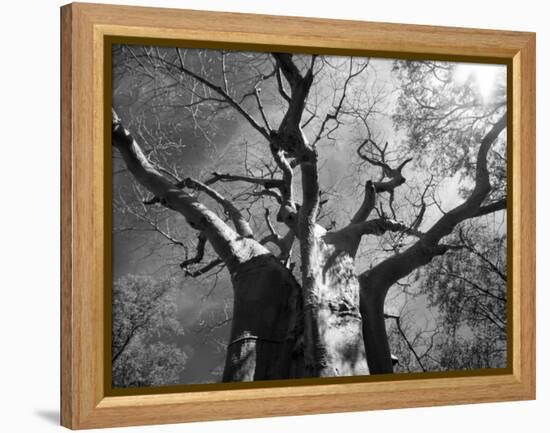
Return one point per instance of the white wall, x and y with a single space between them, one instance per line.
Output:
29 216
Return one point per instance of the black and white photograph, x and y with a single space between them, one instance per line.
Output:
290 216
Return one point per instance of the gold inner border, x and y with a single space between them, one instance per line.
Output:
109 41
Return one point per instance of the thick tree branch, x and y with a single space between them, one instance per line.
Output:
491 207
369 201
280 84
427 247
372 227
376 281
241 225
267 183
225 241
471 207
289 69
289 136
349 238
284 243
201 244
282 162
268 193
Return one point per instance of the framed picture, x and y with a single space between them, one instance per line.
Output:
268 216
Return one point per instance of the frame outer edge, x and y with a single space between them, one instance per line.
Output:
66 232
527 203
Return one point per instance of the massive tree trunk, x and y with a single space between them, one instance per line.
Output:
332 318
265 313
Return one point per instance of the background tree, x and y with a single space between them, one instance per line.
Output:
277 123
468 292
144 327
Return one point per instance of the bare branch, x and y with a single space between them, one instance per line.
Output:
201 244
467 244
155 227
206 268
221 92
394 175
261 108
336 109
472 284
420 217
269 225
404 336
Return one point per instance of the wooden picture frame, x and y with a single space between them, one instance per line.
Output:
85 28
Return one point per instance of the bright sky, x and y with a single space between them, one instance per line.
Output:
484 76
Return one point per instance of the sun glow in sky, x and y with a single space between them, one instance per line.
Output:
484 76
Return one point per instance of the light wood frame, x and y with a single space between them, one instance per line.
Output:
84 403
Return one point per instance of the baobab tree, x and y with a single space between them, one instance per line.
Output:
308 298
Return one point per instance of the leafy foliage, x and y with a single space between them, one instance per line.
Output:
445 117
143 314
469 287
